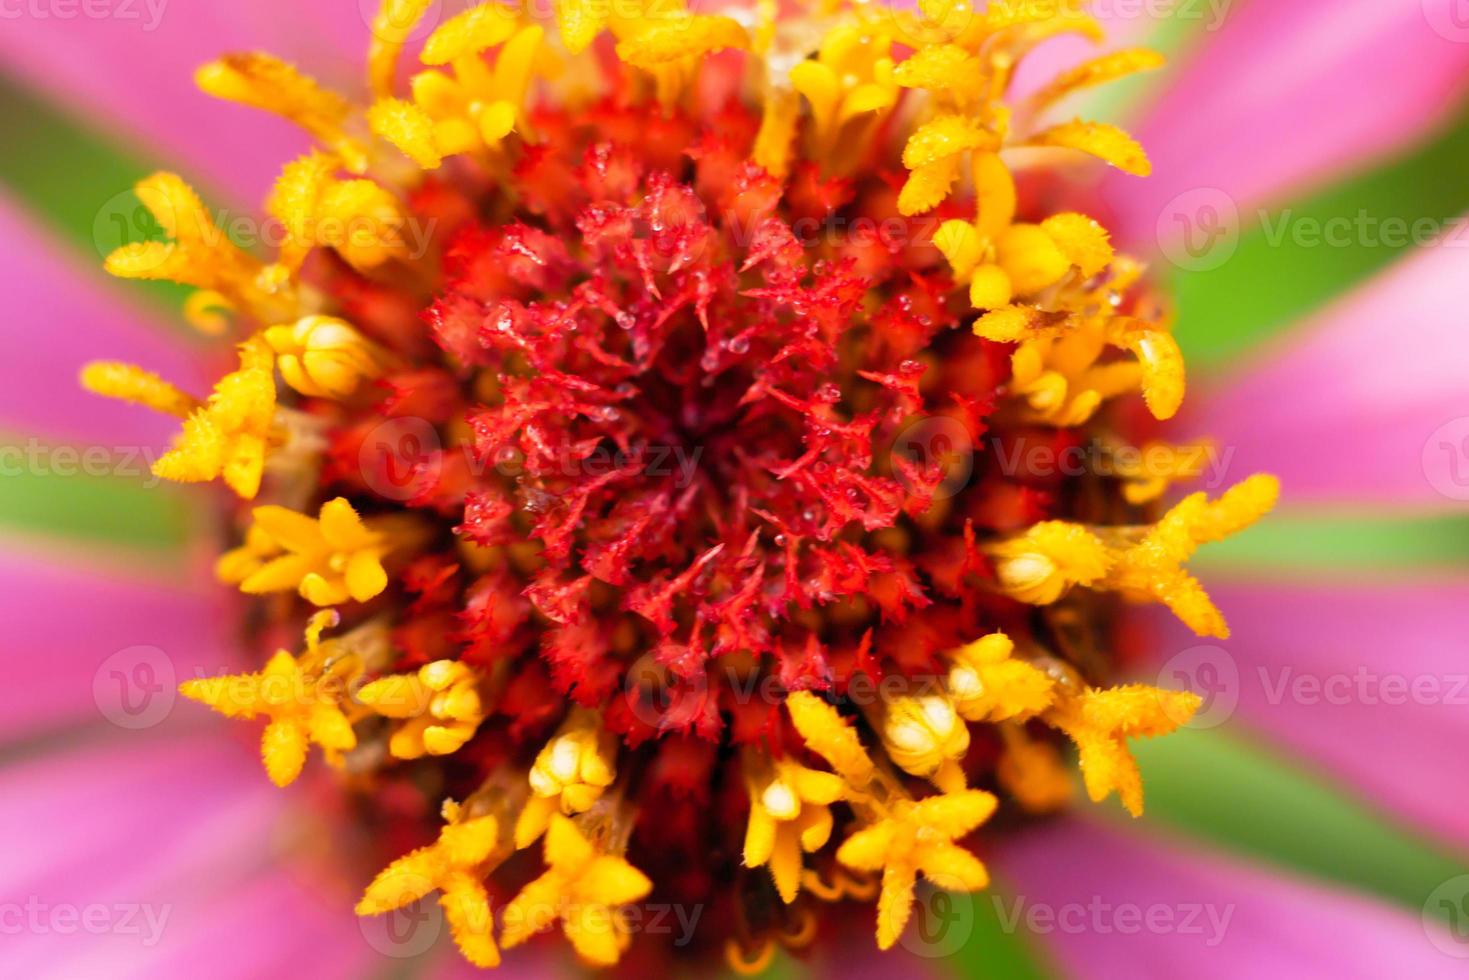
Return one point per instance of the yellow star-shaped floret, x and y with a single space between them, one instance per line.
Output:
196 253
440 703
570 773
472 107
790 812
1100 722
916 837
226 436
583 888
1152 568
328 559
452 866
302 697
358 218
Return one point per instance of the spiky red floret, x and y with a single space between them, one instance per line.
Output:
675 383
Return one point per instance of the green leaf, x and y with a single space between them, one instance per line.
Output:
1340 542
80 183
1287 264
61 492
1220 786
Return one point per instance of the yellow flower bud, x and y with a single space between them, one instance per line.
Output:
324 357
923 733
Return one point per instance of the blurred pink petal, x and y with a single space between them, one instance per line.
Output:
1290 93
1112 905
276 926
133 827
1353 408
1368 680
62 312
108 643
153 46
124 808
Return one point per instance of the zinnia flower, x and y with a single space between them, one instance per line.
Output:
642 446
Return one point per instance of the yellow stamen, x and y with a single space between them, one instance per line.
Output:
569 775
324 357
267 83
440 705
925 736
582 887
918 837
789 813
129 383
328 559
452 866
1100 721
989 683
301 695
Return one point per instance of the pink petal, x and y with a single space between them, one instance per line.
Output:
133 71
1111 904
1367 404
1290 93
97 797
102 647
276 926
61 312
1368 680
